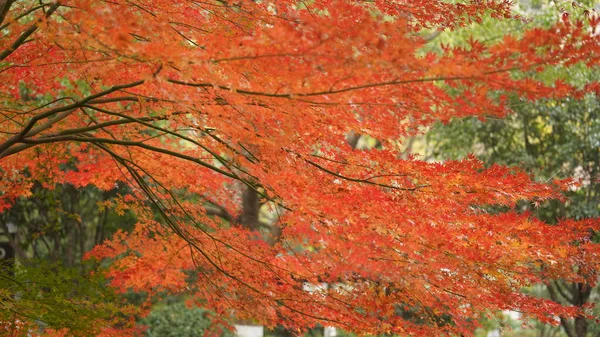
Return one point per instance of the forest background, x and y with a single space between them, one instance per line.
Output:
56 288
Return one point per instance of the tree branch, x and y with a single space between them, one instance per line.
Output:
60 113
4 8
96 140
25 35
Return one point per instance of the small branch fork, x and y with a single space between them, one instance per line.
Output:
28 32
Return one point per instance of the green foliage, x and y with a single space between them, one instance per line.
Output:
64 222
178 320
48 295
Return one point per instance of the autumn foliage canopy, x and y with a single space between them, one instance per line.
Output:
215 113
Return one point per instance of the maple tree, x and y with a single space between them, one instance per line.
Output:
212 111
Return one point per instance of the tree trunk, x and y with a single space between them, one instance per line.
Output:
250 209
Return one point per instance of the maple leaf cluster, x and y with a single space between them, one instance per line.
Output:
191 103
